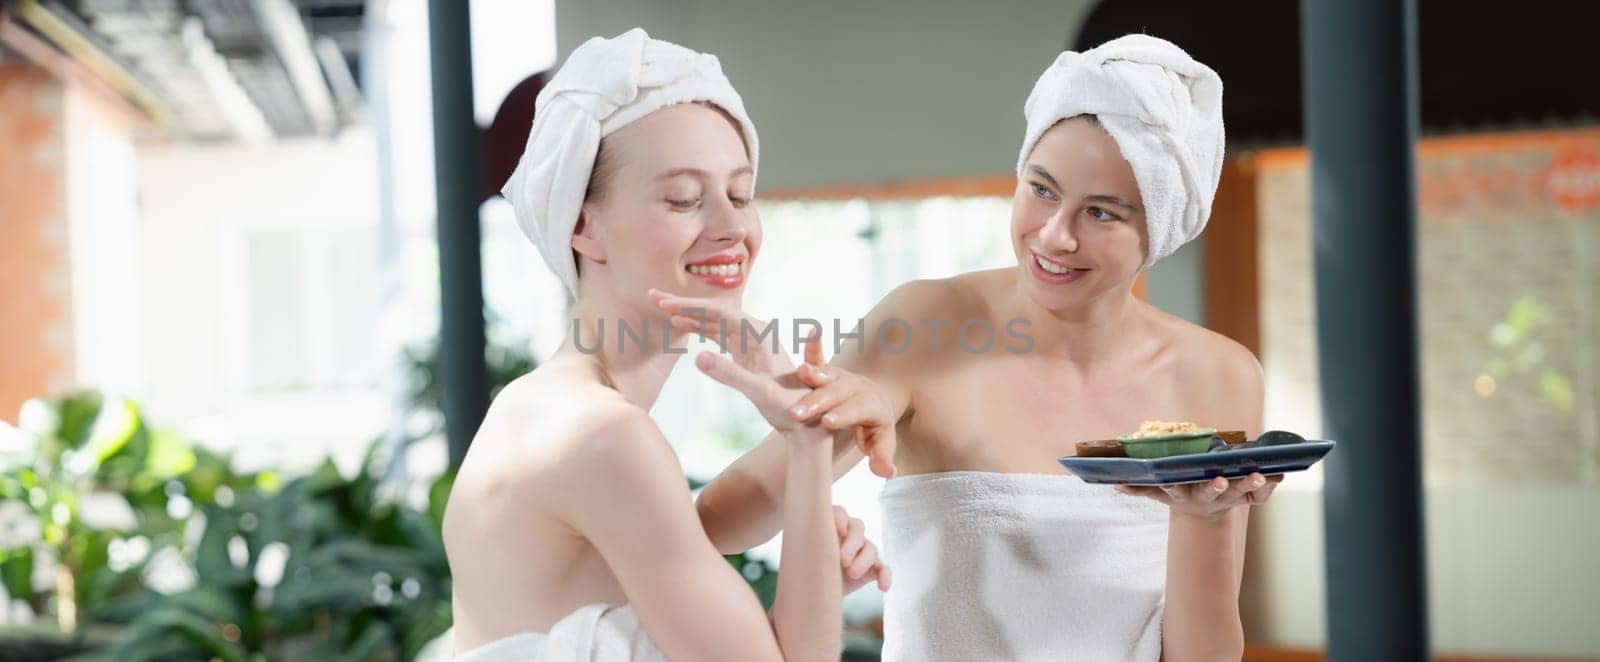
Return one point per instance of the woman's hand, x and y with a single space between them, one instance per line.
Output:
858 557
1212 499
847 402
843 402
765 377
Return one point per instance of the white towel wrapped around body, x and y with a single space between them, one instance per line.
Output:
1021 567
604 85
593 633
1162 107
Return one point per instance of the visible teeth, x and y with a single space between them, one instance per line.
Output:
1051 266
720 270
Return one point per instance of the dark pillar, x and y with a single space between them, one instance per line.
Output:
1361 127
463 376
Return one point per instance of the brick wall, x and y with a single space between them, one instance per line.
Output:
35 354
1509 280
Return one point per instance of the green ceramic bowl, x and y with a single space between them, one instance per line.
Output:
1167 445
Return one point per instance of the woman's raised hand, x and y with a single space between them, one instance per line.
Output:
754 364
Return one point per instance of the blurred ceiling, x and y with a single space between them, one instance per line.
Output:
259 69
1482 64
218 69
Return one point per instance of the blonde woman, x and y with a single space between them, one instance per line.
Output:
570 530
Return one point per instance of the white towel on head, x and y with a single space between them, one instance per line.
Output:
1162 107
594 633
605 84
1022 567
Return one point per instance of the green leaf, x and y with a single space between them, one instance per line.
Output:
109 595
212 562
369 459
420 625
16 572
269 481
117 426
361 554
11 487
1557 390
129 607
203 634
341 591
211 470
324 479
1527 316
169 456
78 412
214 603
439 496
374 638
762 578
90 556
420 533
153 645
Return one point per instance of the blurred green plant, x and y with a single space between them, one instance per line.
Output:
1521 356
318 566
323 567
87 447
505 363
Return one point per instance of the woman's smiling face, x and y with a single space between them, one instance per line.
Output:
672 210
1077 222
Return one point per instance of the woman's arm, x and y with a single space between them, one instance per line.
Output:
742 507
1206 535
627 497
807 614
1201 619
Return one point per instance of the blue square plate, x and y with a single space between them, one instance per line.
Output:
1197 467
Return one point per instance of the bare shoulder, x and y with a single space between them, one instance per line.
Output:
1234 392
1206 355
898 336
548 438
620 445
933 297
609 473
908 314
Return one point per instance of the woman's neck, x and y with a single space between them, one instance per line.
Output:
1093 332
627 349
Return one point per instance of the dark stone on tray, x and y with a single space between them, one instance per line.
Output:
1278 438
